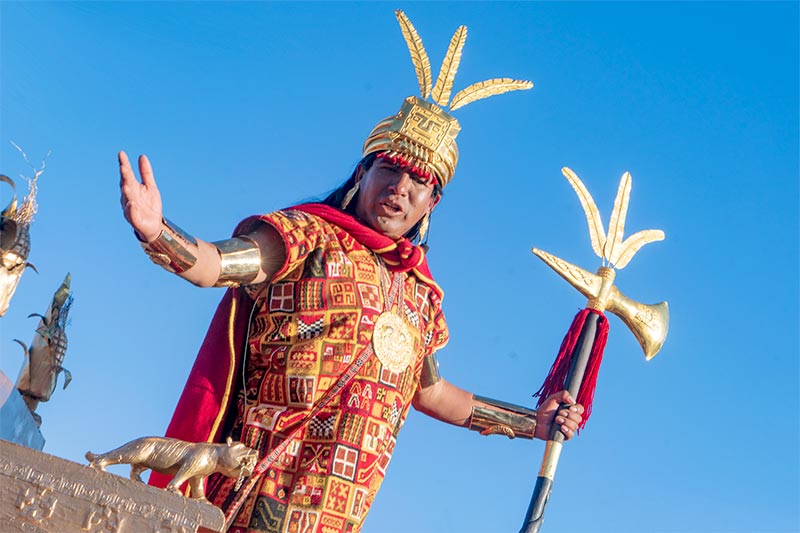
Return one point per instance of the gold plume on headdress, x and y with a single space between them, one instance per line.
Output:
419 57
447 73
485 89
421 132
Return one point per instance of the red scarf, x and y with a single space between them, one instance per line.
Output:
400 255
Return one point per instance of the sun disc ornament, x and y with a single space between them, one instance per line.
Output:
393 342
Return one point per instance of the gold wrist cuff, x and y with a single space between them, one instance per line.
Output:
171 249
241 261
503 418
430 371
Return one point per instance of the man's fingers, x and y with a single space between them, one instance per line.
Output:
566 397
146 171
125 170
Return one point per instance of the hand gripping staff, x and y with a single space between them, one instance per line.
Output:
578 361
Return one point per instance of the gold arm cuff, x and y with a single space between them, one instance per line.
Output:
170 249
430 371
502 418
241 261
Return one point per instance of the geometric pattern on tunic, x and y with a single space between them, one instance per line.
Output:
301 521
282 297
412 316
370 297
309 327
321 426
301 390
312 296
344 462
268 516
342 294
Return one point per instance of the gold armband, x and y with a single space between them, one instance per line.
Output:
430 371
170 249
241 261
501 417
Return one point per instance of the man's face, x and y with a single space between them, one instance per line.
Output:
391 200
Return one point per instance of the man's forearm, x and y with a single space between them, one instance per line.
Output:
231 262
446 402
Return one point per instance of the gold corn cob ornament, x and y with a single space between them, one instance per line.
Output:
45 356
15 243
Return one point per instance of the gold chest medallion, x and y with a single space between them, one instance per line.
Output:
392 339
392 342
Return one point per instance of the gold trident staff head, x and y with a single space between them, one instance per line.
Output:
649 323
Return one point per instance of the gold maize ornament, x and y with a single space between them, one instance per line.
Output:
45 356
15 242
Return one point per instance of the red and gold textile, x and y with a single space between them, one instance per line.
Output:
310 321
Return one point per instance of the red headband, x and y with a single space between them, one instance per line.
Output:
407 165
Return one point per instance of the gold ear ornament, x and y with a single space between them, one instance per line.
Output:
423 225
349 196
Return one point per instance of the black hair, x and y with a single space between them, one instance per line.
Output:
336 197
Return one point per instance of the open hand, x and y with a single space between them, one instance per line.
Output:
549 414
141 202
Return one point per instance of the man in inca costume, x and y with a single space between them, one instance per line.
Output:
329 330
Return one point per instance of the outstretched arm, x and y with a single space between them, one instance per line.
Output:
250 258
448 403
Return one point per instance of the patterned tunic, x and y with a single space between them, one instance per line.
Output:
310 323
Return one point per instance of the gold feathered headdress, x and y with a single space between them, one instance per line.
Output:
422 133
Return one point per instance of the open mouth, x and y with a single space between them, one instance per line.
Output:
391 207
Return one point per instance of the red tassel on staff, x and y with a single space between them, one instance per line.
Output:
558 372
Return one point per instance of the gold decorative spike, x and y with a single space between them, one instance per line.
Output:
447 74
419 57
616 226
649 323
597 231
485 89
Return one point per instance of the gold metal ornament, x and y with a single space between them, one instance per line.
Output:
15 243
350 194
423 225
393 342
186 461
649 323
45 357
240 261
430 371
503 418
422 132
173 249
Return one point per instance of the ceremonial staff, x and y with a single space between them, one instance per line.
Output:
581 352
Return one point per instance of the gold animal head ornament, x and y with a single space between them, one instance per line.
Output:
15 243
421 132
649 323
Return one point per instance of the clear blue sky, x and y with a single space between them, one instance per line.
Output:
249 107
